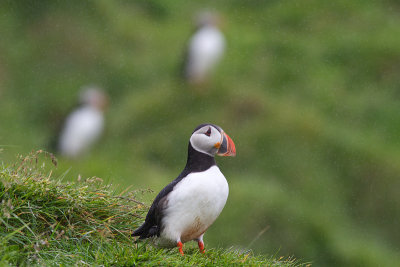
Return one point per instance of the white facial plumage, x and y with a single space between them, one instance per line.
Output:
205 140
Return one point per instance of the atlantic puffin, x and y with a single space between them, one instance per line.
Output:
84 125
187 207
205 49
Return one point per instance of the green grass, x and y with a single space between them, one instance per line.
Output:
45 221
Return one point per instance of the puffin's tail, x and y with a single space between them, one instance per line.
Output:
139 231
145 231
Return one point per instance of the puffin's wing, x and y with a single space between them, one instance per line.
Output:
57 123
152 224
186 57
184 64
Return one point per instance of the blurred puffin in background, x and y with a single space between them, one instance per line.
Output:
205 49
84 126
187 207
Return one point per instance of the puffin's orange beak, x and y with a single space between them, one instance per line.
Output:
227 147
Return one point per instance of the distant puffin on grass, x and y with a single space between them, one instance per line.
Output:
205 49
84 125
185 208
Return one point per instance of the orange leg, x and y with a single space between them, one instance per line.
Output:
201 246
180 246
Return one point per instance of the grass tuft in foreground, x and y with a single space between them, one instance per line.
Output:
48 222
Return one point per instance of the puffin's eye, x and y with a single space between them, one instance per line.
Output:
208 133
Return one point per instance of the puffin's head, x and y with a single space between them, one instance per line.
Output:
94 97
210 139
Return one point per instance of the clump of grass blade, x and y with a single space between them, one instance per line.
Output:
42 217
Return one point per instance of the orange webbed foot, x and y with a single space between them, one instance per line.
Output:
201 246
180 246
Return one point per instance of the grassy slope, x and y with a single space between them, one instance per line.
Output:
47 222
308 92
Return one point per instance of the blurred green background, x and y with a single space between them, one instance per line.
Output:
308 90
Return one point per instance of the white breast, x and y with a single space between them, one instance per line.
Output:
193 206
82 128
206 48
